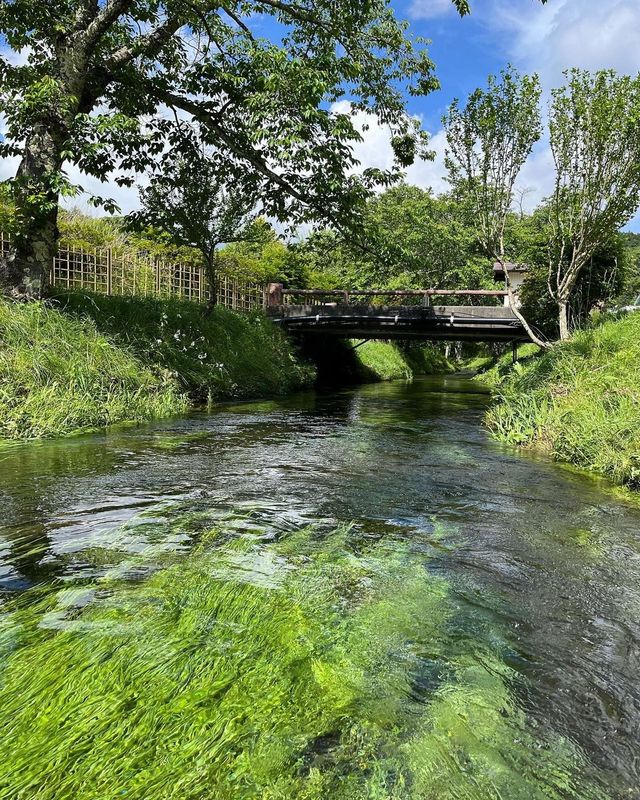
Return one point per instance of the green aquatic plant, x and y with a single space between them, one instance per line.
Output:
320 665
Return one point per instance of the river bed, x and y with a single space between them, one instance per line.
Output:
353 594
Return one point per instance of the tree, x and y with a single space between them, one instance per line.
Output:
193 202
488 143
109 85
429 240
594 124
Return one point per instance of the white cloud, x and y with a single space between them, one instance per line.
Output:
429 9
375 150
591 34
125 196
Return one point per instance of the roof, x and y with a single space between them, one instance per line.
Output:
510 266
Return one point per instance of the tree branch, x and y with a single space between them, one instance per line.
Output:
148 45
231 142
104 20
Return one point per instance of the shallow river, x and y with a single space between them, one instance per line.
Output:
345 595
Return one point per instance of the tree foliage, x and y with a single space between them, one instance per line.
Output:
594 124
488 142
110 86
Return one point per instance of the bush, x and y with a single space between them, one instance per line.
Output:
581 401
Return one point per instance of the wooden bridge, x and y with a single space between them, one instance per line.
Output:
379 314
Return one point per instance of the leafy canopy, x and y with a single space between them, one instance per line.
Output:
110 86
489 141
594 131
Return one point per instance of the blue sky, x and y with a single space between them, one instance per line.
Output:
547 39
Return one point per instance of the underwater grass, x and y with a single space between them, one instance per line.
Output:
221 356
60 375
580 401
317 666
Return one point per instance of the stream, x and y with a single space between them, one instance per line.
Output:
345 594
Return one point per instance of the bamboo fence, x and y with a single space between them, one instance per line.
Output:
124 271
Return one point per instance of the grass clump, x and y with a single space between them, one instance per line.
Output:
221 356
581 401
315 667
383 361
59 375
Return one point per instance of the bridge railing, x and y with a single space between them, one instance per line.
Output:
277 295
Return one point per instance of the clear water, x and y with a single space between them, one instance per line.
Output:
541 567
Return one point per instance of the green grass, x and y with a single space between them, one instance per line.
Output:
288 670
222 356
386 361
581 401
60 375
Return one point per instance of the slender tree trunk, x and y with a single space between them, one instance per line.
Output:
563 320
212 280
25 273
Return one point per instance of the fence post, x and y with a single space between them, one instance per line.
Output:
274 294
109 270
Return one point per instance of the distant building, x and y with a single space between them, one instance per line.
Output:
517 273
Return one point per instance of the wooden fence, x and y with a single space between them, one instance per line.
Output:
123 271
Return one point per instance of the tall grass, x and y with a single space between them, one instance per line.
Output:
59 374
223 355
317 666
581 401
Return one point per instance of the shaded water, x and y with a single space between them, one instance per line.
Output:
474 634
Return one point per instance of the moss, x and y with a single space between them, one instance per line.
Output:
580 401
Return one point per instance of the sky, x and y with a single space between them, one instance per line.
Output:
546 39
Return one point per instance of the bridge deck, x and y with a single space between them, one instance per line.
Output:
454 323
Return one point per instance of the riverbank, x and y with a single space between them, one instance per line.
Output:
580 402
86 361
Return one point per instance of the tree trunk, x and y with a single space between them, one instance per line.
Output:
25 273
563 320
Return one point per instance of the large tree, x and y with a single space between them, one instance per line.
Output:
488 142
595 138
108 85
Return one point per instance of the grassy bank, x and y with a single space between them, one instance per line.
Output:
221 356
386 361
580 401
59 374
85 361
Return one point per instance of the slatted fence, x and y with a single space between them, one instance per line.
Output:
131 272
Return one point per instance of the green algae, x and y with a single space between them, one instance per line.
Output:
316 666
